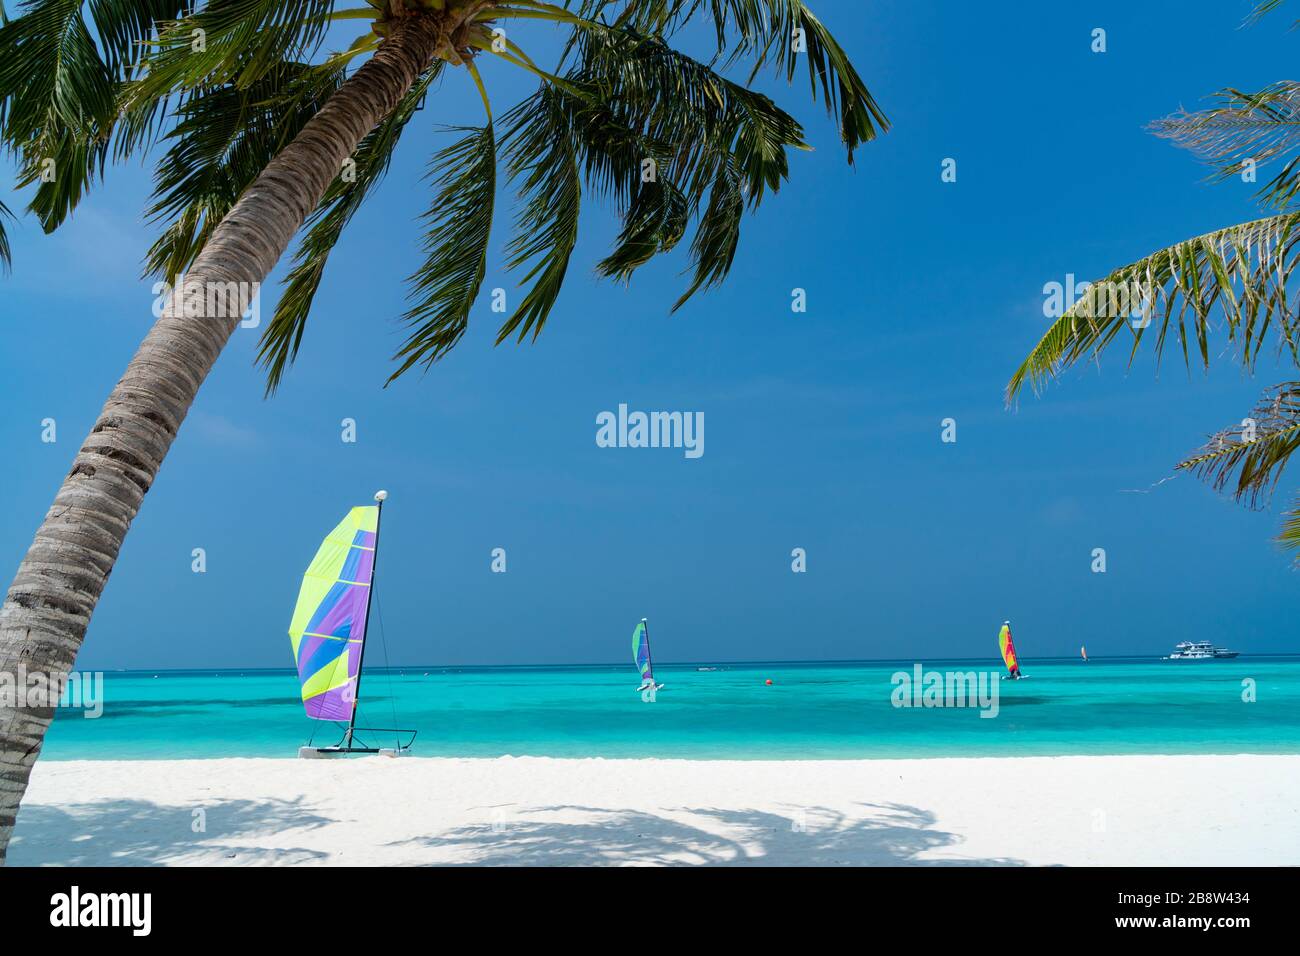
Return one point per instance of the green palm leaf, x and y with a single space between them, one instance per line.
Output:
714 246
233 41
57 103
51 75
124 26
6 253
58 84
766 30
611 149
1257 127
656 219
224 138
1251 456
542 155
1243 270
280 341
1262 9
628 98
1289 537
670 98
459 224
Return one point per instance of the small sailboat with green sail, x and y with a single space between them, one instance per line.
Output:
641 656
328 633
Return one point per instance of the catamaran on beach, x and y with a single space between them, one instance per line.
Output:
329 628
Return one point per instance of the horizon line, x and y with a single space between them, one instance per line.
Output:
773 661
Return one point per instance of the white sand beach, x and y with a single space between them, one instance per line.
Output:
1153 810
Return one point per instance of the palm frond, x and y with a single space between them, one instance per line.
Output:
610 152
846 95
1248 459
610 148
1258 127
767 30
1289 537
51 75
667 97
542 155
233 42
224 138
6 253
629 98
459 224
283 335
1251 456
58 81
56 101
714 246
125 26
656 220
1243 270
1262 9
141 120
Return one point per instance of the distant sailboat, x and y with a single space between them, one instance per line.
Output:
328 630
1008 649
1083 650
641 656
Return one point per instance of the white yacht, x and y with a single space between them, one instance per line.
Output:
1199 651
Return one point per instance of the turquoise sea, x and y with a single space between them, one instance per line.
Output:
811 710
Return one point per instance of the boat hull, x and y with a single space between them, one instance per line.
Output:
327 753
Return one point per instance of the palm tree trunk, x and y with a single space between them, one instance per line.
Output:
48 606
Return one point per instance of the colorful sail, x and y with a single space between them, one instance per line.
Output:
1084 651
641 652
329 621
1008 650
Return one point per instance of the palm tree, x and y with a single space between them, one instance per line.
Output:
1233 279
264 134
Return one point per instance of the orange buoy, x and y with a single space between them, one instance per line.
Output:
769 682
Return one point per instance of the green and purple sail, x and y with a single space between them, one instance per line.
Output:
641 652
329 621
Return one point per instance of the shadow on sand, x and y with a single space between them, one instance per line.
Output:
141 833
873 835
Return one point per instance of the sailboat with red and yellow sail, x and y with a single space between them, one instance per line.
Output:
1008 649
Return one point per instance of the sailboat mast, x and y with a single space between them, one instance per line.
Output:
649 657
370 596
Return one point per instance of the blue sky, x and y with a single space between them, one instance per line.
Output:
823 428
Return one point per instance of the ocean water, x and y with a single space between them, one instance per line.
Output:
813 710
